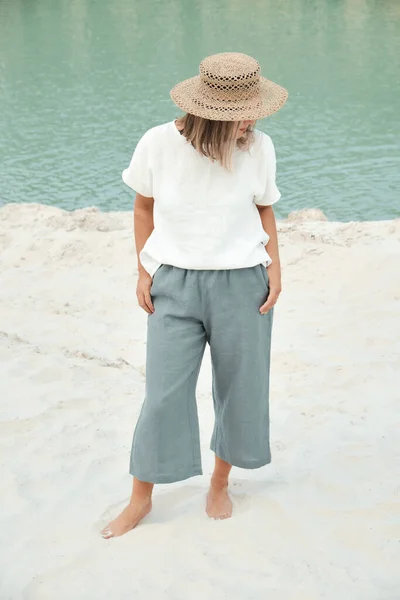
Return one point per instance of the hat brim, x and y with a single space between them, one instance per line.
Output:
187 96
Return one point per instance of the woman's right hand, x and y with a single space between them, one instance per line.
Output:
143 291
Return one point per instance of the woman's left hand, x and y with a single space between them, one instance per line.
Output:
275 288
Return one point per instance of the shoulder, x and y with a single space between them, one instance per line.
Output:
154 135
264 141
263 149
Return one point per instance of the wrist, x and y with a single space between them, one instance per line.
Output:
274 271
274 267
142 270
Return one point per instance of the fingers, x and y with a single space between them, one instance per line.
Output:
144 284
271 301
266 307
144 301
148 301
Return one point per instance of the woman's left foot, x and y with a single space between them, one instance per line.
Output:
219 504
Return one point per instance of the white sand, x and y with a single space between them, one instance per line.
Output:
318 523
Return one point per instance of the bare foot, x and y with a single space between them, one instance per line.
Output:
128 518
219 504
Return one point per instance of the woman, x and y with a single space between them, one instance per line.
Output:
209 271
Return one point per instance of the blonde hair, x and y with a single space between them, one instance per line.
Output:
215 139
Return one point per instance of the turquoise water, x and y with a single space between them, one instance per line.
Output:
80 82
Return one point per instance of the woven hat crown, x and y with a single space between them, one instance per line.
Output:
229 76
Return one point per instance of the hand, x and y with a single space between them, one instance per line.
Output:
275 288
143 291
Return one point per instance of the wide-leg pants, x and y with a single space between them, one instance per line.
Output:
193 307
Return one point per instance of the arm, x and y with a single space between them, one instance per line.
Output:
274 270
143 225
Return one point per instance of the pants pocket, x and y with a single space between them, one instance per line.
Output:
264 275
155 277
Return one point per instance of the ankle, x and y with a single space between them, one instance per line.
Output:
140 498
218 482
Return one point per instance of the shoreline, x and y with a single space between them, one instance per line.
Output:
298 215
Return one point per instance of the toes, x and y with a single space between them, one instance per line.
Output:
106 533
224 515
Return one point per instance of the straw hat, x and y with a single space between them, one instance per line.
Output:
229 88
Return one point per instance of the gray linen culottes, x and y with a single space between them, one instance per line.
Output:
193 307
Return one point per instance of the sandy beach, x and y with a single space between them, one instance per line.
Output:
321 522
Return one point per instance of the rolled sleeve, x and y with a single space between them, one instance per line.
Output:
138 175
271 193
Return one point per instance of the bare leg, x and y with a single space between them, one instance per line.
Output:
219 505
139 506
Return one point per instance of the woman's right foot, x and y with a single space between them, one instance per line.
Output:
219 504
136 510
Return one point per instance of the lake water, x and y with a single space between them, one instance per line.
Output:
80 82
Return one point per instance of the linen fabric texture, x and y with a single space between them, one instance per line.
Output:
205 217
192 308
